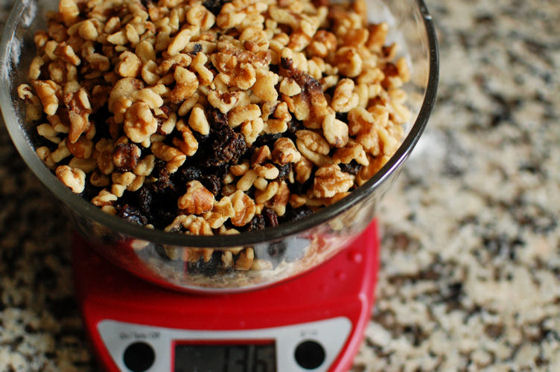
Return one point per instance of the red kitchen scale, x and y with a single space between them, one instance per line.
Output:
313 322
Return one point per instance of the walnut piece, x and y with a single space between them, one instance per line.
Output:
330 180
197 199
73 178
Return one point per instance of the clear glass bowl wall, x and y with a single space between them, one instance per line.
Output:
282 252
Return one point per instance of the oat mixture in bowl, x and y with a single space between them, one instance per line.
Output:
217 118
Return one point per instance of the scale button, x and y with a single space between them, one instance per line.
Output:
310 354
139 356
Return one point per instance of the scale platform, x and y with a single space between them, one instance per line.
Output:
313 322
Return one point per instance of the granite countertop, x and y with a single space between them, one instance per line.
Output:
470 275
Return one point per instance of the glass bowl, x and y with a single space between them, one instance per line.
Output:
256 259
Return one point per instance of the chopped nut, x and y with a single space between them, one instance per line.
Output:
242 114
44 154
345 99
348 61
60 153
221 212
104 198
69 11
285 151
171 155
198 121
197 199
129 66
86 165
74 179
180 41
303 170
353 151
323 43
262 196
261 154
237 99
245 182
187 83
125 156
289 87
335 131
88 31
244 208
264 86
252 129
140 122
46 91
223 102
245 259
145 166
82 149
330 180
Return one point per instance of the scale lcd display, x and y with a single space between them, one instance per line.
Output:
257 356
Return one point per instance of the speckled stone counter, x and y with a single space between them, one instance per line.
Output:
470 276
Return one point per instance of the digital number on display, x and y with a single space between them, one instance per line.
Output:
259 357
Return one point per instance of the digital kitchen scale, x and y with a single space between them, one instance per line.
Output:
313 322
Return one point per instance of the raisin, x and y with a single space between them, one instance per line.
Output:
257 223
100 119
296 214
276 249
161 175
132 214
284 171
188 174
215 6
267 139
270 217
144 200
213 183
301 188
163 209
320 3
90 191
226 145
293 126
390 70
352 167
209 268
342 116
146 3
196 49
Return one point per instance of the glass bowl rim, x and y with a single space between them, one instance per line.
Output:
83 207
